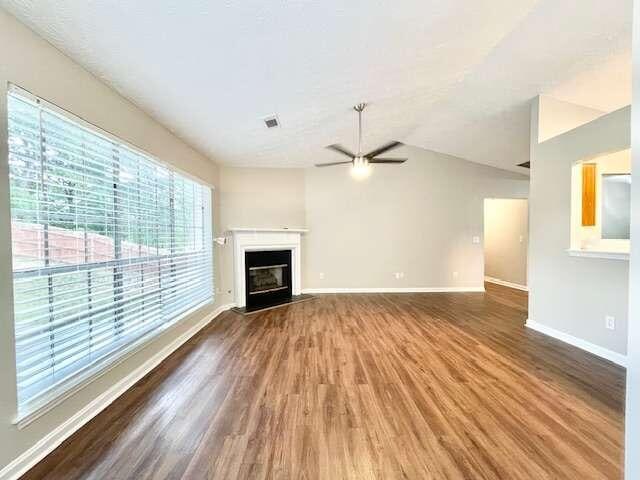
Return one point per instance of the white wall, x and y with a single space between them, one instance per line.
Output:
30 62
506 233
632 426
573 295
418 218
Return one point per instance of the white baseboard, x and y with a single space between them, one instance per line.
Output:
20 465
602 352
394 290
504 283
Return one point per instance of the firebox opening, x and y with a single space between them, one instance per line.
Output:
268 277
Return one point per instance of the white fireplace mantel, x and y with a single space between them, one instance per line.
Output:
256 239
262 230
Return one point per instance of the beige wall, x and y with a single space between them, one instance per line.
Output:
33 64
557 117
506 232
569 294
261 197
418 218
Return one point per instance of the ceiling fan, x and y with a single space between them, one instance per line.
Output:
360 161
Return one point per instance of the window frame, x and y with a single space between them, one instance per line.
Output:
63 388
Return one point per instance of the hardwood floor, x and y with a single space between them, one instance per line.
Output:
420 386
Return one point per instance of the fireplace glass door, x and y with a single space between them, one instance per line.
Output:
266 279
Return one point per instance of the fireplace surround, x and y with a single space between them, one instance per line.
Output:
273 248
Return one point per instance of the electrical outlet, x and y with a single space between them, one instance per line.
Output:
521 238
476 239
321 275
401 275
455 274
610 322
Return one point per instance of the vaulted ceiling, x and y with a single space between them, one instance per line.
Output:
454 76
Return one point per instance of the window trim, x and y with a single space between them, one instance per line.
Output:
68 386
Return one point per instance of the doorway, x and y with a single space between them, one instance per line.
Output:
506 236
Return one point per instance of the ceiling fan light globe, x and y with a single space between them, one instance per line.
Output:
361 168
360 173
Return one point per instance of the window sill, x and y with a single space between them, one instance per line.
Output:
93 371
608 255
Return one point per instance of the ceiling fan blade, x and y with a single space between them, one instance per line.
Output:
383 149
388 160
340 149
332 163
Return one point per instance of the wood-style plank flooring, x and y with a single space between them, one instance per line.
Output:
389 386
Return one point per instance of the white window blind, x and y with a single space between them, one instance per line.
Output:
109 247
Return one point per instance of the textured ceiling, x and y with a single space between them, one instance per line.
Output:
453 76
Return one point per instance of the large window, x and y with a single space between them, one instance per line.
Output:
109 247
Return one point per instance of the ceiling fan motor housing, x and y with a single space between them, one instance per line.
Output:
360 162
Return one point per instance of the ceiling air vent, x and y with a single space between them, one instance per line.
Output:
271 121
525 165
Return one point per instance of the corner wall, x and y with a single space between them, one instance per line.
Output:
33 64
257 198
571 295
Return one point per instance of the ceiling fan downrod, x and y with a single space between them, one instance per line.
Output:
360 108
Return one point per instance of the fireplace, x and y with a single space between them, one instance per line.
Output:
267 278
266 267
